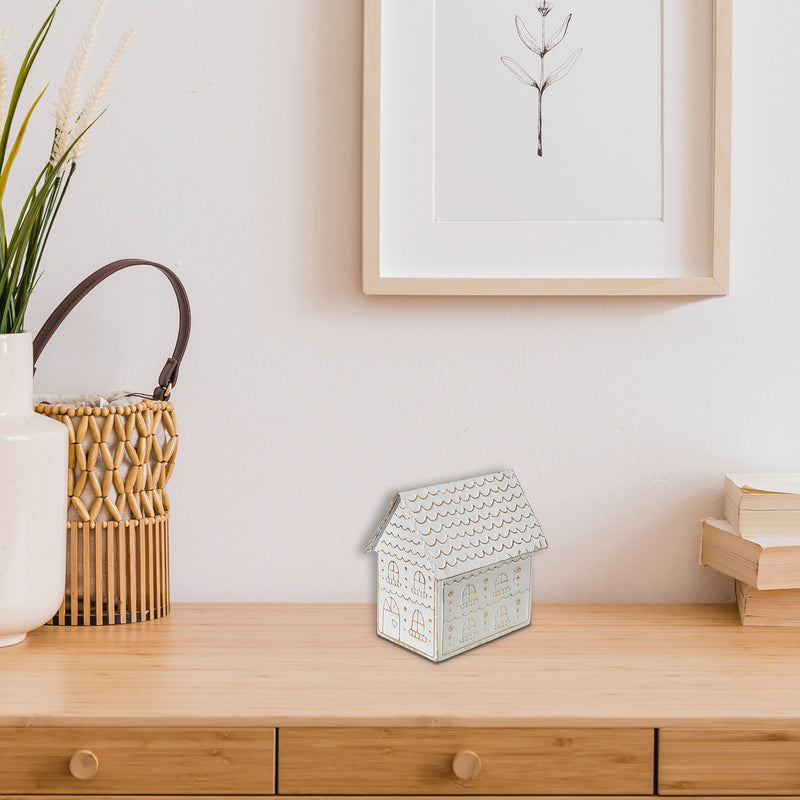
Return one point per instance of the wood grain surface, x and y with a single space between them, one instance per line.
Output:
138 761
513 760
303 665
735 762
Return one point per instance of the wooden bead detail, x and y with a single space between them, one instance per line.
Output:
136 444
466 765
83 765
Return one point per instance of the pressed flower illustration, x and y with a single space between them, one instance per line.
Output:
544 7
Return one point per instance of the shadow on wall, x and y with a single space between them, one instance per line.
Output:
334 35
653 560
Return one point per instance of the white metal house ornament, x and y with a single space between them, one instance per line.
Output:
455 564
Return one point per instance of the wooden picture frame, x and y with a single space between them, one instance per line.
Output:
714 280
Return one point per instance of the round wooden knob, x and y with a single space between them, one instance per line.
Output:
83 765
466 765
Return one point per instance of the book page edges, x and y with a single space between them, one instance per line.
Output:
766 483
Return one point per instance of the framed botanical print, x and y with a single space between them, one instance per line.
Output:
546 147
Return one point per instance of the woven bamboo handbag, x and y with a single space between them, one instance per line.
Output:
121 456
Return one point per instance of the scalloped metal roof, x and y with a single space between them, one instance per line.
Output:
461 526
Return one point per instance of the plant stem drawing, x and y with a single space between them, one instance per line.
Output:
544 7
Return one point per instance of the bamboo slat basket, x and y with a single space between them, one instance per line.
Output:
121 457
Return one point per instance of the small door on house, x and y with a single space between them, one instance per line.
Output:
390 624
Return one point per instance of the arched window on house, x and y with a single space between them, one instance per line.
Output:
469 631
418 626
500 619
469 597
419 582
501 585
393 574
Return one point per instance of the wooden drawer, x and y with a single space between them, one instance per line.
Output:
137 761
729 762
421 761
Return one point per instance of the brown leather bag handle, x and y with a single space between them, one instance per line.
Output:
169 374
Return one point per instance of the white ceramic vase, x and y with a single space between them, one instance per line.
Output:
33 499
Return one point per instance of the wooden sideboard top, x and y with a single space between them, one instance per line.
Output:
242 665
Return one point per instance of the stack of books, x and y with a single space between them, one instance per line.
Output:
758 544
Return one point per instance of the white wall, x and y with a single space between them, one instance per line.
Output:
232 149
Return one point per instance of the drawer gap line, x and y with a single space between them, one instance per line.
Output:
275 772
655 761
